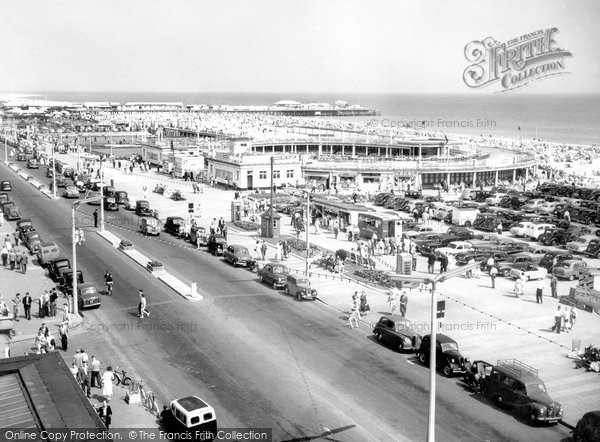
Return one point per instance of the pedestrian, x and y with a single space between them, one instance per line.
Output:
224 231
354 314
53 299
107 383
16 305
83 377
518 286
431 262
393 300
263 250
539 292
24 262
74 370
554 286
63 331
27 306
414 261
105 414
221 225
499 228
4 254
493 274
95 368
490 263
95 215
557 320
12 259
213 226
564 320
364 304
572 318
143 303
443 263
403 304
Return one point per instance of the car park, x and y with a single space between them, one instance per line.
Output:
299 286
397 332
216 244
517 386
529 272
448 358
150 226
569 269
238 255
273 274
175 225
70 191
88 296
5 186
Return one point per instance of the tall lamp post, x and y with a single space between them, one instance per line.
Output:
53 173
102 195
432 348
270 231
307 233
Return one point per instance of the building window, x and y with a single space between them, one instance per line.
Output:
249 173
262 174
277 174
289 173
237 176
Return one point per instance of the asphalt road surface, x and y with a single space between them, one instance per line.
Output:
260 358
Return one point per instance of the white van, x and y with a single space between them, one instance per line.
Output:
535 230
519 229
464 217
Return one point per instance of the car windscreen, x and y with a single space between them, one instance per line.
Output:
535 388
241 251
278 270
447 346
88 291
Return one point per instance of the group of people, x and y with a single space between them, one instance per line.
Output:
13 258
360 307
398 301
564 319
219 227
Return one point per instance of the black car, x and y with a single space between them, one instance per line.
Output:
382 198
414 194
175 225
461 233
5 186
56 267
110 204
448 358
556 237
397 332
482 195
216 244
548 258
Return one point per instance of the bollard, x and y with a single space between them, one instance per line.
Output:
194 290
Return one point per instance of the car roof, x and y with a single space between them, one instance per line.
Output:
191 403
441 338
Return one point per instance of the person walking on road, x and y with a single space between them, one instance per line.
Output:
107 383
554 286
263 250
539 292
493 274
403 304
143 303
443 263
27 306
95 215
431 263
364 304
95 367
572 318
354 313
393 300
24 262
518 286
83 377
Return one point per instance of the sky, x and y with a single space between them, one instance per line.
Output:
279 45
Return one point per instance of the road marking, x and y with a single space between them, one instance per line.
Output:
239 296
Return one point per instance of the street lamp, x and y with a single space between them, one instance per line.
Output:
53 173
270 230
307 233
74 246
102 195
433 280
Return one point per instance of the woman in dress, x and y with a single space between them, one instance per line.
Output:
107 383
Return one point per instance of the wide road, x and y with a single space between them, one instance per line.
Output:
260 358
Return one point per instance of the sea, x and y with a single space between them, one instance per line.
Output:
559 118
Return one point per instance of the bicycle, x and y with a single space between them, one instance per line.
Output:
150 403
121 378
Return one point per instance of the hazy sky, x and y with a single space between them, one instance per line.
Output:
278 46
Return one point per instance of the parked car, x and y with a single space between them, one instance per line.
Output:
175 225
556 237
110 204
461 233
593 248
49 172
494 199
94 194
299 286
121 197
448 357
580 244
199 236
520 228
130 204
66 280
560 256
453 248
569 269
236 255
4 197
190 418
109 191
24 226
11 212
397 332
70 191
46 253
529 272
516 385
517 261
273 274
588 427
536 230
142 208
32 240
56 267
216 244
533 206
88 296
150 226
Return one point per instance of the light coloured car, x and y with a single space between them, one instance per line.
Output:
454 248
519 229
70 191
580 244
548 208
537 229
495 199
533 205
530 272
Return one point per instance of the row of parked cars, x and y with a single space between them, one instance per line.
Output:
510 383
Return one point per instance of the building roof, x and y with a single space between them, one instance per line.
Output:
39 392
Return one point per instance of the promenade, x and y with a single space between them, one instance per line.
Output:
487 323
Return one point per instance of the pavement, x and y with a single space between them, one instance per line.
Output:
487 323
35 282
